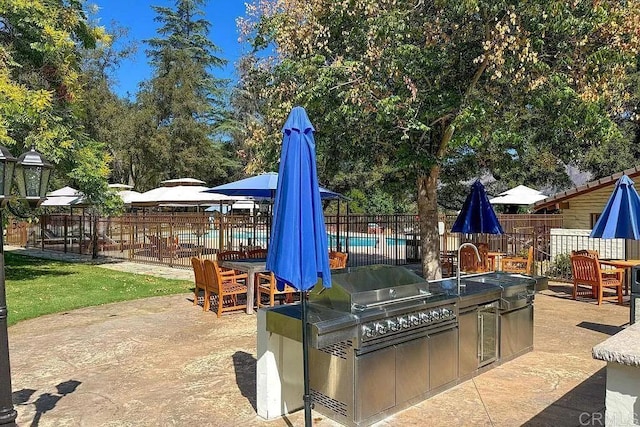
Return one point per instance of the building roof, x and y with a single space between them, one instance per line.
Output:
551 201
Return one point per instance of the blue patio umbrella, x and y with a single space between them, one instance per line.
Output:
621 216
477 215
261 186
298 253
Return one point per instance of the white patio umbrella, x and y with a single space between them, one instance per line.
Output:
182 192
520 195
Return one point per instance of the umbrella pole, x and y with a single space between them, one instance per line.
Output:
305 362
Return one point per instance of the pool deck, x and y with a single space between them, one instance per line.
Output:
162 361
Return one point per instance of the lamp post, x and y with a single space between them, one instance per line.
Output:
32 174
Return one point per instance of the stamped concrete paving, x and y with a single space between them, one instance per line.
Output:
162 361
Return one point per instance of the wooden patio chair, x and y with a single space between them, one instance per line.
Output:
256 253
199 281
523 265
587 272
267 286
230 255
469 260
227 286
338 259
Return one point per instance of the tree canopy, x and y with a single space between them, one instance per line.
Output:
177 117
401 91
41 93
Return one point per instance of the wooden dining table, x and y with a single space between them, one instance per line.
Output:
627 264
251 266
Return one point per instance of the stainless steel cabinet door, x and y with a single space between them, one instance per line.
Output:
443 358
375 382
468 323
412 369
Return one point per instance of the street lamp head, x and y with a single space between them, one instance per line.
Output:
7 166
32 177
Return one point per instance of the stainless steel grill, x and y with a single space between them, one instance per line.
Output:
383 338
382 341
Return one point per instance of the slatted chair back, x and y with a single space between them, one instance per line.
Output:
226 286
230 255
256 253
587 272
199 279
267 286
522 265
469 260
337 259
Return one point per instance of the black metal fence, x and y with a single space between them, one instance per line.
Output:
172 238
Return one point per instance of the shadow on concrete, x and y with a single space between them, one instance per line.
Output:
46 401
581 406
244 365
599 327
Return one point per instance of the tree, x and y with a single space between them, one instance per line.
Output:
181 109
41 93
412 89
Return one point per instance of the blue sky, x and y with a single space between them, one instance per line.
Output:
137 16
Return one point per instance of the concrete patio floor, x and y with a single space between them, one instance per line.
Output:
162 361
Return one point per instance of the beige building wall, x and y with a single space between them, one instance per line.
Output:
579 212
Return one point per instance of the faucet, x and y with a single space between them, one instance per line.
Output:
458 269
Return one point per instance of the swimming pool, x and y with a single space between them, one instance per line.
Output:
355 241
259 238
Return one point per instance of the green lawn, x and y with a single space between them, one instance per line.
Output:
38 286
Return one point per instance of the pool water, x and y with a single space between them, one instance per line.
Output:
259 238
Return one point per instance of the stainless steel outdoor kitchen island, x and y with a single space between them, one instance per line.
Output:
384 339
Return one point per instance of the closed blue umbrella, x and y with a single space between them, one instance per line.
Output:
620 217
477 215
298 254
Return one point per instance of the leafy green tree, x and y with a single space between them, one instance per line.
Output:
181 110
412 90
42 99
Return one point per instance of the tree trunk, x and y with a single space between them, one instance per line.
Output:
429 236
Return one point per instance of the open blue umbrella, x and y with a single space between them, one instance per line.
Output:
298 254
620 217
477 215
261 186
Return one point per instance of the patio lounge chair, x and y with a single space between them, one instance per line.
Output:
587 272
228 287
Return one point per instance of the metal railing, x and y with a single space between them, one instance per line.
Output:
171 238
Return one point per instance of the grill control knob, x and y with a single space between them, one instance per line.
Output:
381 329
393 325
435 314
404 322
448 313
425 317
368 331
414 320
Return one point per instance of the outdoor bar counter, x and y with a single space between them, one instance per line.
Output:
622 354
391 340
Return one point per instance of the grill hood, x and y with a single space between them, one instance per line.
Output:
359 288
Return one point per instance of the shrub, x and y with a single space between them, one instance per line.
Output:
560 268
